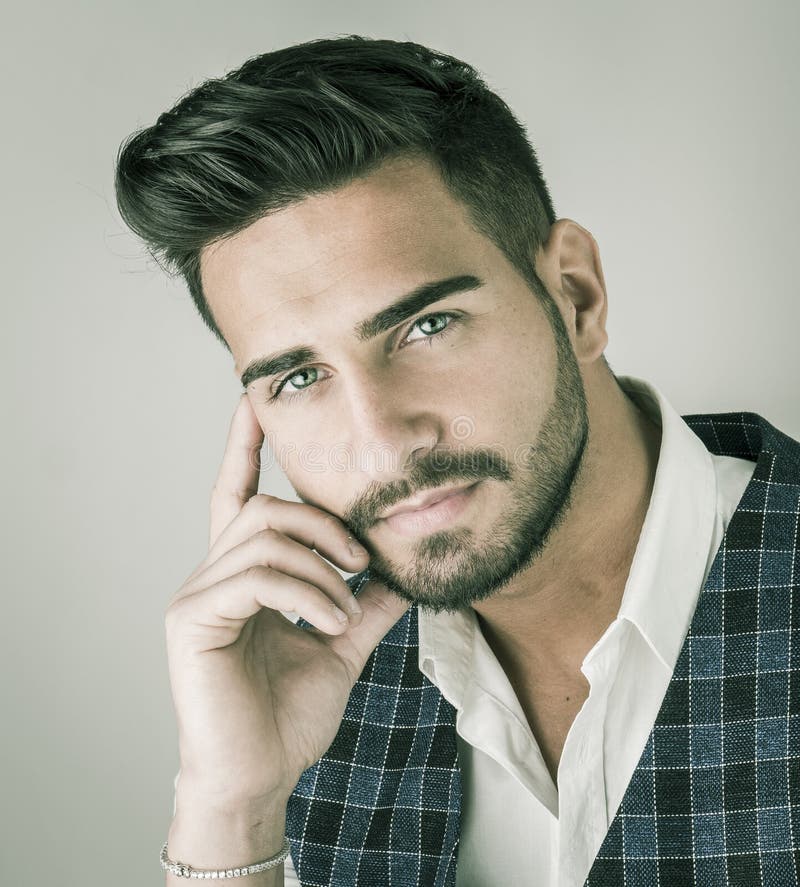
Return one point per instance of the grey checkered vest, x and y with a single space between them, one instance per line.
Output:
715 797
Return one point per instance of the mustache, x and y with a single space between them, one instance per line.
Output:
436 469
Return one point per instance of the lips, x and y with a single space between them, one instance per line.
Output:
424 501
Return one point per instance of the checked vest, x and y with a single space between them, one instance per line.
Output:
715 797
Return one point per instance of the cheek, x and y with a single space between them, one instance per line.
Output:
290 441
322 490
302 459
507 392
317 469
506 370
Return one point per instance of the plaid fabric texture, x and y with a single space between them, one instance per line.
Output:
382 805
715 797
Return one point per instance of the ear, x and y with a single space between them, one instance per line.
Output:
569 264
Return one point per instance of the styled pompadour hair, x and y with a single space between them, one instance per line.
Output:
312 117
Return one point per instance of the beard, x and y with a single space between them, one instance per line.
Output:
451 569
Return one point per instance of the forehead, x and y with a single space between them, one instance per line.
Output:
358 245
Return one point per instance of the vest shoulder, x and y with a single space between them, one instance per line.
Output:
748 435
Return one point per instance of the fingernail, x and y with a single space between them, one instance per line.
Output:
339 614
356 549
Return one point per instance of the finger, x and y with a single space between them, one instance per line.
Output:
270 548
382 609
214 617
237 479
308 524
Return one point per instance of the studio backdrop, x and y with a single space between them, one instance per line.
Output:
669 131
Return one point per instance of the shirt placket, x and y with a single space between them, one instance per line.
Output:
582 809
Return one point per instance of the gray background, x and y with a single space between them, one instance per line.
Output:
669 131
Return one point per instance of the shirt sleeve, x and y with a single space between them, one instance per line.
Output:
289 874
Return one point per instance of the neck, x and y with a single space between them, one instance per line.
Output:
549 617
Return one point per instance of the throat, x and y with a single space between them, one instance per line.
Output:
550 716
551 690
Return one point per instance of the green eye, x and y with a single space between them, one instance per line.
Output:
424 320
309 371
430 338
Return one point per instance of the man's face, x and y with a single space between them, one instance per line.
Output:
480 386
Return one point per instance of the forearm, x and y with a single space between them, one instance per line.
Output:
208 838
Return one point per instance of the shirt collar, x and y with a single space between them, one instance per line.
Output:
669 564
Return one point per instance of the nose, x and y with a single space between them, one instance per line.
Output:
391 424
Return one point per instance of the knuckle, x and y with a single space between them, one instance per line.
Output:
174 614
260 500
267 534
256 573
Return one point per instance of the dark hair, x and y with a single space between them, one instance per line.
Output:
311 117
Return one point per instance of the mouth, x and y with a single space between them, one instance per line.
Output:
437 509
418 503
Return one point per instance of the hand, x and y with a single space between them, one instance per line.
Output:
259 700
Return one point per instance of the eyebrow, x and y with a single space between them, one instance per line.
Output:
401 309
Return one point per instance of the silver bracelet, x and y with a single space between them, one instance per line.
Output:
183 870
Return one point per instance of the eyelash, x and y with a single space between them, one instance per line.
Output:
454 320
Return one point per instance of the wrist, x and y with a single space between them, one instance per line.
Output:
209 835
192 793
193 787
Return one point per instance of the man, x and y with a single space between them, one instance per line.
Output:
565 654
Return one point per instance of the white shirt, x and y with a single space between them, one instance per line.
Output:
517 827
